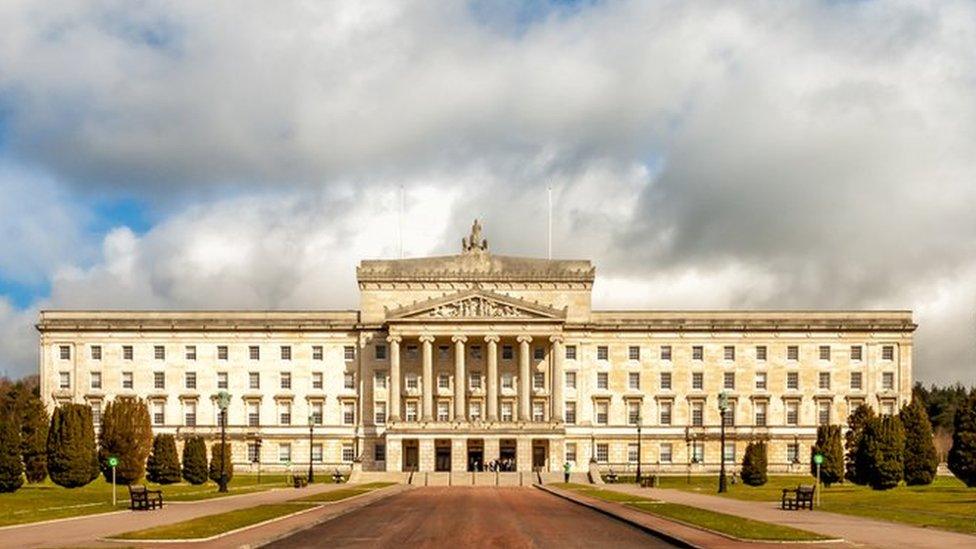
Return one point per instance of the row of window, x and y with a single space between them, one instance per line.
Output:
190 380
190 352
284 452
666 452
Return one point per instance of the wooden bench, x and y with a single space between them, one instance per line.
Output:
648 481
144 499
800 497
300 481
338 478
611 478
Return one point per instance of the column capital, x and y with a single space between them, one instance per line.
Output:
459 338
524 339
492 339
394 339
426 338
557 339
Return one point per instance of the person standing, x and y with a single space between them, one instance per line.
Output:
566 468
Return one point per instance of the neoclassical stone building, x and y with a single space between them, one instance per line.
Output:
454 361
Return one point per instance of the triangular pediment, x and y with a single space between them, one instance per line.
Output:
476 305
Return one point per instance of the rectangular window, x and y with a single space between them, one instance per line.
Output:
190 413
793 352
601 412
317 353
729 418
474 380
65 352
602 452
697 380
286 352
632 456
284 452
285 380
602 352
665 413
887 380
476 352
254 352
793 452
697 352
221 352
379 413
633 381
760 352
570 415
857 382
888 352
823 413
349 352
665 381
191 352
571 452
443 410
570 380
254 380
126 380
317 453
159 413
728 380
602 380
792 412
411 411
252 453
316 380
349 380
96 352
665 352
728 352
348 413
728 453
159 380
856 352
507 411
633 412
824 352
793 381
633 352
96 380
127 352
443 352
190 380
538 412
443 381
508 382
538 380
761 381
379 452
221 380
253 414
411 381
887 408
348 454
474 411
159 352
284 413
380 352
539 353
824 381
761 414
666 452
571 352
379 380
507 352
697 413
697 452
317 414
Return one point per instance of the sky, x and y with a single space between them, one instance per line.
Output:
772 155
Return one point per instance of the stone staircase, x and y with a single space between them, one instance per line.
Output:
523 478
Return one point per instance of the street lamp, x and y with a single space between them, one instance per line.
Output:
638 444
223 401
257 456
723 406
311 426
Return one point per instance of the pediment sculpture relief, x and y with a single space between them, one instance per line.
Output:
477 307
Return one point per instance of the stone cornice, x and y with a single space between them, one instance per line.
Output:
475 267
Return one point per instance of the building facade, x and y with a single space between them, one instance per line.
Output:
455 362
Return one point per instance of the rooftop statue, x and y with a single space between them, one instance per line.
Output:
474 242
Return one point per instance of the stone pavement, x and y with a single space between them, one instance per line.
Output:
858 530
87 531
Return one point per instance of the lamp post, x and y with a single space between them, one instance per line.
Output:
723 406
257 457
223 401
638 444
311 426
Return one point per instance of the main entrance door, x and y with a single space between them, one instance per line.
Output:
442 455
476 454
411 455
540 454
506 454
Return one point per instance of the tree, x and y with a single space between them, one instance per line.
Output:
22 403
856 471
163 465
828 444
71 456
920 458
882 446
962 456
754 464
11 466
195 460
215 453
126 434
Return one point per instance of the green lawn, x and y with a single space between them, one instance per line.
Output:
211 525
727 524
945 504
47 501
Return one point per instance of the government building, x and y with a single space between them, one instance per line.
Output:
475 360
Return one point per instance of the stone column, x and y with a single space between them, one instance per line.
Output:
394 342
492 356
459 385
459 455
394 454
426 454
524 412
557 381
428 377
523 454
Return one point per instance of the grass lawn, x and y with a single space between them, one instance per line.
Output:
46 501
203 527
945 504
727 524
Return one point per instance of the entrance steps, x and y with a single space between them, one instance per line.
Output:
437 479
524 478
484 479
363 477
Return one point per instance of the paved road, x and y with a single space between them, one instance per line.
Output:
467 517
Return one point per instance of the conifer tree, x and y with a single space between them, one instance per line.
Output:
754 464
828 444
11 466
163 465
126 434
882 446
71 456
215 463
26 408
195 460
921 460
855 471
962 455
